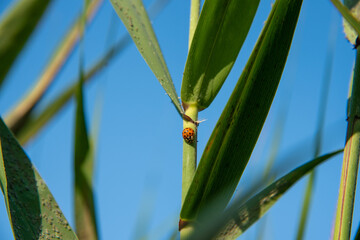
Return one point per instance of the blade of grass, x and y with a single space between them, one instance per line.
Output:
36 121
239 217
222 28
18 115
325 88
234 137
33 211
134 16
351 160
16 27
85 219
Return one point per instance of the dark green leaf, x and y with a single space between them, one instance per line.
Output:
85 219
32 210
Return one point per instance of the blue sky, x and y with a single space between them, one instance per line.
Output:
138 120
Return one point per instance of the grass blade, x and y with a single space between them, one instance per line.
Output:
33 211
351 160
135 18
233 139
85 219
15 29
239 217
18 115
219 35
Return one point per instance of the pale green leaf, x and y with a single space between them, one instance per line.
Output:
136 20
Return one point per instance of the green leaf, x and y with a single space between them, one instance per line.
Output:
85 219
136 21
351 18
33 211
16 27
219 35
239 217
234 137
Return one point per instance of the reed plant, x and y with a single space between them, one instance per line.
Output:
209 206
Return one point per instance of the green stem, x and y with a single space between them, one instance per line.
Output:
189 162
194 17
351 160
189 152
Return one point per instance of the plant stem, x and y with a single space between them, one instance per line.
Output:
351 160
194 17
189 152
189 162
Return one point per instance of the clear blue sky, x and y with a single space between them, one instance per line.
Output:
138 120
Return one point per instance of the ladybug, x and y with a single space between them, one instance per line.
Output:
188 135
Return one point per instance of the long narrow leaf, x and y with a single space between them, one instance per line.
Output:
33 211
235 134
136 21
15 29
85 219
219 35
239 217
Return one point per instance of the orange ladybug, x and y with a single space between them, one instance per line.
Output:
188 135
